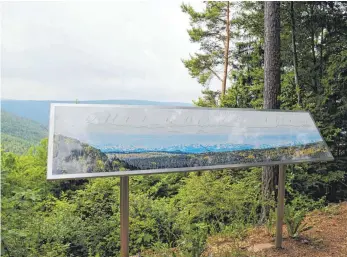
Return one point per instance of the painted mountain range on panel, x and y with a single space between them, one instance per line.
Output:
195 148
71 156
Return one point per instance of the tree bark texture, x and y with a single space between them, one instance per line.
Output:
295 54
272 59
271 91
226 50
313 45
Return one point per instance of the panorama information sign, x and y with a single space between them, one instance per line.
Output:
118 140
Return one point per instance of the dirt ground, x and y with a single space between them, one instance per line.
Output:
328 238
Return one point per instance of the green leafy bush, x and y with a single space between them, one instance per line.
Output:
294 218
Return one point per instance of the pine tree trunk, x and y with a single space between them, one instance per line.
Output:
295 54
271 91
321 45
313 45
226 50
321 55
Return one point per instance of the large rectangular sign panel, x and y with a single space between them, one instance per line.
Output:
115 140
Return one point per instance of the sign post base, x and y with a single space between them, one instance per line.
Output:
124 216
280 206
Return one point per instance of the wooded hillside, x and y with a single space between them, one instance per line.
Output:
19 134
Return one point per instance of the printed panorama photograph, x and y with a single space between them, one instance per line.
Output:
109 139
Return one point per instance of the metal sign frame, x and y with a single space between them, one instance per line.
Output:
50 175
124 175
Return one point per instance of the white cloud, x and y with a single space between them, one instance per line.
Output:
96 50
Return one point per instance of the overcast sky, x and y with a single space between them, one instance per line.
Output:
96 50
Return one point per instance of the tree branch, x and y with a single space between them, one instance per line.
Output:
214 73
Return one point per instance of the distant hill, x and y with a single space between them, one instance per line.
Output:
14 144
18 134
39 110
71 156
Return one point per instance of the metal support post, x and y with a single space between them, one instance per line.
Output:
124 216
280 206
